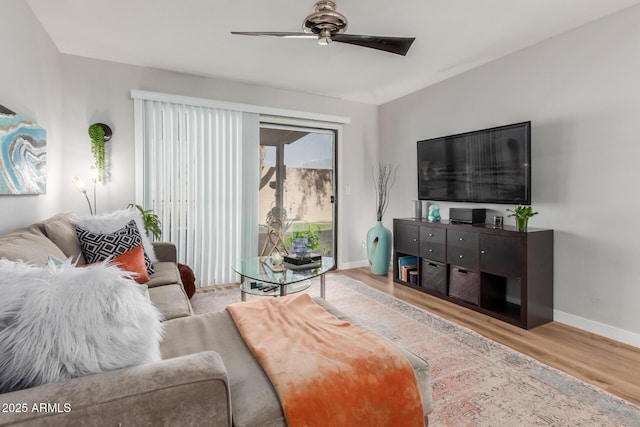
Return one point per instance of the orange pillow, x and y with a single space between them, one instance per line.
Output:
133 262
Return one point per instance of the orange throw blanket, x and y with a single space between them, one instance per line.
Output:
325 370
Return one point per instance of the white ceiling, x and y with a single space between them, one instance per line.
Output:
193 36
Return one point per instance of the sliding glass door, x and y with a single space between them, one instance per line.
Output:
297 183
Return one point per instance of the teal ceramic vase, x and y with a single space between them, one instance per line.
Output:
379 248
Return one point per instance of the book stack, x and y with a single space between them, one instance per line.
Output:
406 264
413 276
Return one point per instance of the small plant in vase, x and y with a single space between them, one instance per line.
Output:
304 242
522 215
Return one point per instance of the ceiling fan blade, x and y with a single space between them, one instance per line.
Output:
397 45
276 34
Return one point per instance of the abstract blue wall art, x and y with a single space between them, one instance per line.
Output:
23 155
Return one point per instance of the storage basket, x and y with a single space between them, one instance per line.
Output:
434 276
464 285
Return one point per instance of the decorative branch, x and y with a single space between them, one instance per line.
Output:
383 183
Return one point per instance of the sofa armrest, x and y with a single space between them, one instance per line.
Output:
166 251
187 390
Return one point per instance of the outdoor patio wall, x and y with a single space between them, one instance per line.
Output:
581 92
306 196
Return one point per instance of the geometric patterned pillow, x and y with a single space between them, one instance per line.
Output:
98 247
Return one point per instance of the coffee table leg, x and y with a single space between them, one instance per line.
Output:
322 286
283 290
243 295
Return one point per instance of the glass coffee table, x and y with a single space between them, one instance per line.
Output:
259 277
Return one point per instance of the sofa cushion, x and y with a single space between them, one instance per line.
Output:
65 322
164 273
28 245
60 230
171 301
253 399
112 221
98 247
166 251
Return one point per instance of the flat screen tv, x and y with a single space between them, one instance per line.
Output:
484 166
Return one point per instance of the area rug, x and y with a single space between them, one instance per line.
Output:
476 381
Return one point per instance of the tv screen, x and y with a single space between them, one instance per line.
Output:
485 166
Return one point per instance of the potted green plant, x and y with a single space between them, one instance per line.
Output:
151 221
522 215
305 241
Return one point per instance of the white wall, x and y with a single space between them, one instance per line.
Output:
65 94
30 85
581 91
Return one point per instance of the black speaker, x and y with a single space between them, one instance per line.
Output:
467 215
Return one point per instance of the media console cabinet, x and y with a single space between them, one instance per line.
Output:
501 272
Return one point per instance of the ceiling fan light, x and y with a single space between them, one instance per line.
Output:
325 37
326 25
325 17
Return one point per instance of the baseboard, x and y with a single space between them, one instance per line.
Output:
605 330
353 264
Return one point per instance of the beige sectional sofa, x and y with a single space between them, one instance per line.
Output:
56 237
206 375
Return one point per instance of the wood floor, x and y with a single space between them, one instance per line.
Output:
608 364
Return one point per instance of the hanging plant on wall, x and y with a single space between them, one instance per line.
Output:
99 133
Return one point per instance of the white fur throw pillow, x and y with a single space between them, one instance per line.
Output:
110 222
59 322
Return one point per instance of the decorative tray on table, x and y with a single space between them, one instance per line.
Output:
295 262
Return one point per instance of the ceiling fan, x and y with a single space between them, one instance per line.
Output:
326 25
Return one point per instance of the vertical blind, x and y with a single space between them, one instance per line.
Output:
199 169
